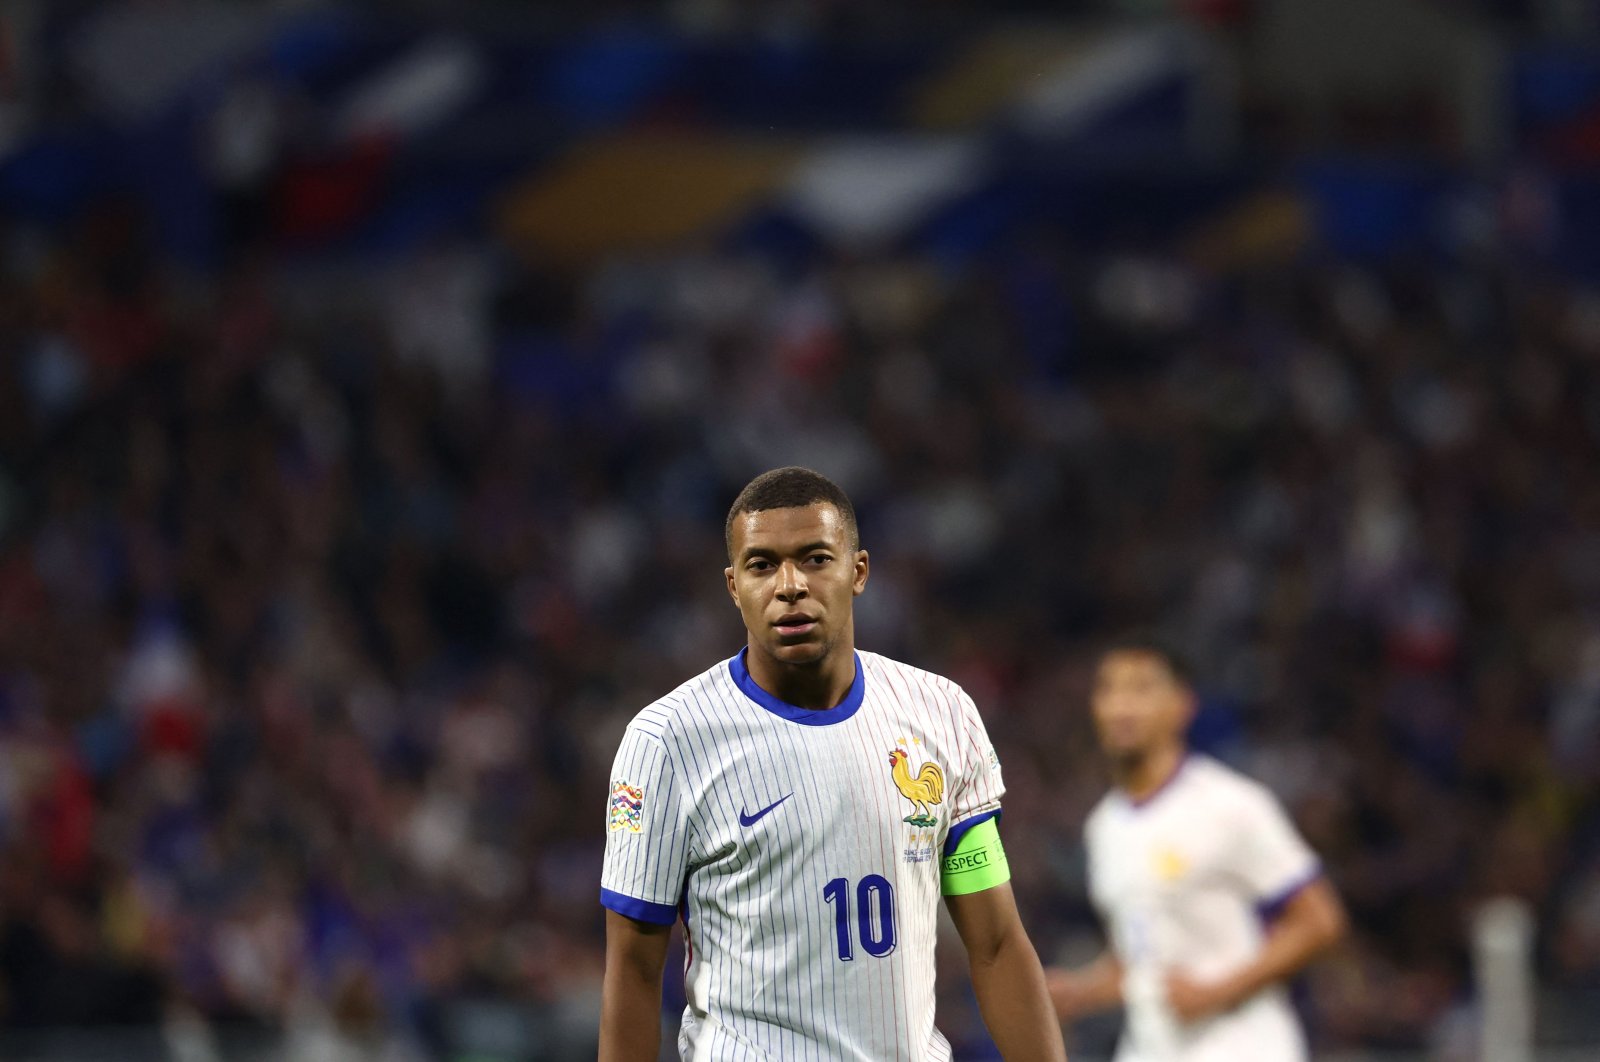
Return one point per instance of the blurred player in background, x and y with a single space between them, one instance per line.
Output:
802 807
1210 897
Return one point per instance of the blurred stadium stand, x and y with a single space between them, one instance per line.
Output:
375 378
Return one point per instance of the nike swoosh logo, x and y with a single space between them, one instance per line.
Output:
750 820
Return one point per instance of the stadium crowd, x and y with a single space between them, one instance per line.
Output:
323 602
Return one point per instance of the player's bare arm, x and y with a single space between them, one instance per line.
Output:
1310 923
1007 976
630 1007
1087 990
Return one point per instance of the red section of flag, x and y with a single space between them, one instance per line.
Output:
321 199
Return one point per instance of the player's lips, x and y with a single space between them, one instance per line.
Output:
793 623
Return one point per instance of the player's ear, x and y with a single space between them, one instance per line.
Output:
863 569
1191 707
733 589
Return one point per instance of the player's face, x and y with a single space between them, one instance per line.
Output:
794 578
1139 706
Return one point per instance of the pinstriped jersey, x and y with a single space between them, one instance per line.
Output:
801 848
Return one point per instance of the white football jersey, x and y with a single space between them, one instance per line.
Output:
1186 881
802 855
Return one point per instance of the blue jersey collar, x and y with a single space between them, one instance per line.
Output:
793 712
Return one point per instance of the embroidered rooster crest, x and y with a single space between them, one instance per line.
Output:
926 789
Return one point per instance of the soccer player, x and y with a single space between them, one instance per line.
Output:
802 807
1211 898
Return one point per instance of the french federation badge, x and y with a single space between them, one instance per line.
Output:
925 790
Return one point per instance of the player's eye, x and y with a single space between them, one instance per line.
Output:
758 565
818 558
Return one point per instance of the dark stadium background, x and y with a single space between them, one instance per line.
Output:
374 379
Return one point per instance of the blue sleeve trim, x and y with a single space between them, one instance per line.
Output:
1270 908
959 830
662 914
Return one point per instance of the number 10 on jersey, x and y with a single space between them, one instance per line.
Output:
874 914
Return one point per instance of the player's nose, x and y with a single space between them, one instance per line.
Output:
791 581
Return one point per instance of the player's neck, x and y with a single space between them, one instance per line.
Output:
1142 778
821 685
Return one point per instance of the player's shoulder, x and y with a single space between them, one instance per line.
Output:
692 705
909 680
1104 809
1202 785
1224 784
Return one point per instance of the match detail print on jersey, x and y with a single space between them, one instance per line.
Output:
627 807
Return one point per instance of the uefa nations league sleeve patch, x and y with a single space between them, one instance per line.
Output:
627 807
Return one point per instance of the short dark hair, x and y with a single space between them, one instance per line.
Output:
791 487
1143 641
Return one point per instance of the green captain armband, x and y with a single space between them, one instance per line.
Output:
978 863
